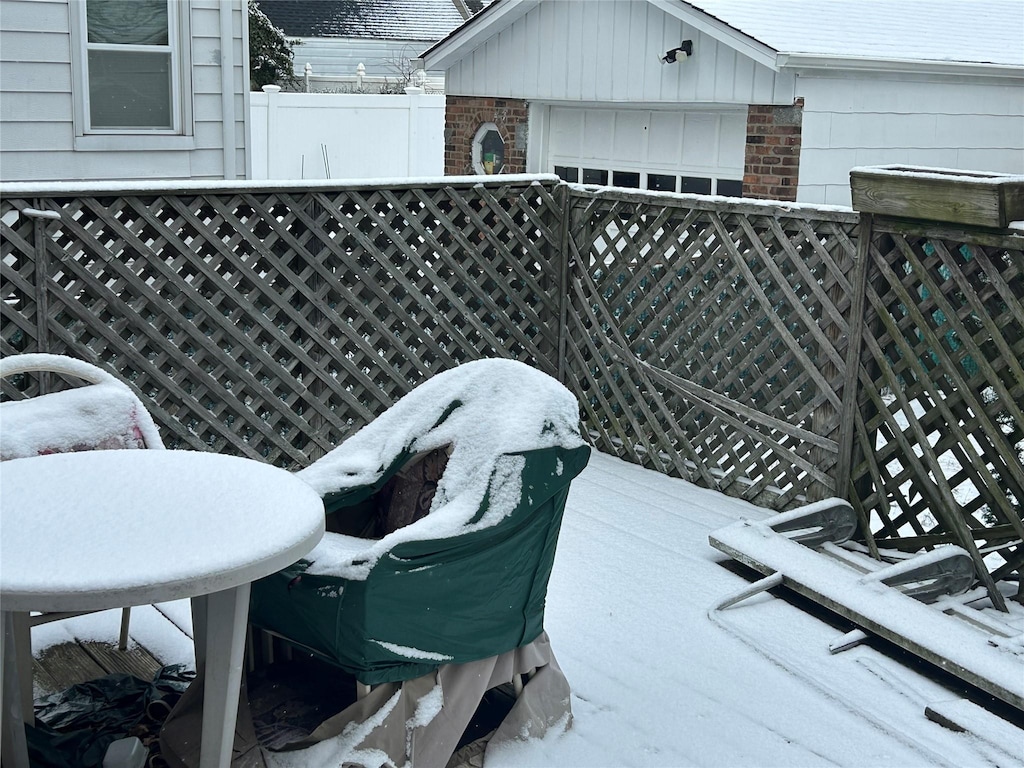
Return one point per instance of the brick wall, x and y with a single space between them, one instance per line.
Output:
771 167
464 115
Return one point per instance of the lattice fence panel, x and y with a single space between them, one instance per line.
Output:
21 306
272 323
708 339
939 452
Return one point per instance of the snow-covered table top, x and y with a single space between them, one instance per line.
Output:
104 529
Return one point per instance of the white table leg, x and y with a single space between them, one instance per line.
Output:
223 650
23 654
199 611
13 750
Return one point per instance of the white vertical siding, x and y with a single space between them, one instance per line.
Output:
875 120
37 132
608 51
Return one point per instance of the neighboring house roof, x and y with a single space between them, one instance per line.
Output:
976 31
777 33
426 20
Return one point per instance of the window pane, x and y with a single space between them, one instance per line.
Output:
730 188
661 182
492 152
695 185
127 22
565 173
625 179
130 89
594 176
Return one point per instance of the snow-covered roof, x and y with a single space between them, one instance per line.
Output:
891 34
425 20
975 31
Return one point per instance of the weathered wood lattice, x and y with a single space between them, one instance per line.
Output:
272 323
938 431
709 339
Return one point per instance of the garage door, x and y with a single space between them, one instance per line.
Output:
677 151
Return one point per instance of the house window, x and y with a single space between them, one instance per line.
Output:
565 173
131 65
488 150
625 179
730 187
696 185
661 182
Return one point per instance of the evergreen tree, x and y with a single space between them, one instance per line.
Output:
270 57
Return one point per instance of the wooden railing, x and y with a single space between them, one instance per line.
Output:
775 352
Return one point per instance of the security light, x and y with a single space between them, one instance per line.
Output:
678 54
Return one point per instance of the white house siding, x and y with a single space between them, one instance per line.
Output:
208 79
37 131
853 120
608 51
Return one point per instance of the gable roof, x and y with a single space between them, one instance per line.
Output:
882 34
426 20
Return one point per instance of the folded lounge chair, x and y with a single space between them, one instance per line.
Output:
444 512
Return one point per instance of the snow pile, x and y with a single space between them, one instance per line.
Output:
483 410
97 416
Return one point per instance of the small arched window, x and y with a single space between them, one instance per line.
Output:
488 150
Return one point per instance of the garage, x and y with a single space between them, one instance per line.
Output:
678 150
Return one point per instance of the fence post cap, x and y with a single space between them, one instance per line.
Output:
271 88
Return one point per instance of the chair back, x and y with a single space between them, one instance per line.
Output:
449 579
102 415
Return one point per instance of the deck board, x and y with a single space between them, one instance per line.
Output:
62 666
135 660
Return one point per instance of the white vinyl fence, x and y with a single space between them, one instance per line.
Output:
346 136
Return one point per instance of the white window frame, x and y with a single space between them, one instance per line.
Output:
478 138
180 135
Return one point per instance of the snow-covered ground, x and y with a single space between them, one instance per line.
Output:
660 679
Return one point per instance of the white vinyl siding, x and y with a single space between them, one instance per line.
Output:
609 51
38 140
876 120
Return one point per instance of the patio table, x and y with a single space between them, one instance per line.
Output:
107 529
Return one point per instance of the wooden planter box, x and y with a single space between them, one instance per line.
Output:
960 197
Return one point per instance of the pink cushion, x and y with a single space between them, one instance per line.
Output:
94 417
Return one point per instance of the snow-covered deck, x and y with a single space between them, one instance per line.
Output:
659 679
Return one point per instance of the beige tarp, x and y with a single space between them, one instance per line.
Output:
417 723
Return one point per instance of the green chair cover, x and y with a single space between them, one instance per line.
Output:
414 603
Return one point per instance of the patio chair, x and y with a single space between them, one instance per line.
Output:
443 517
104 414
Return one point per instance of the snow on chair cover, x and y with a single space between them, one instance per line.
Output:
467 581
106 414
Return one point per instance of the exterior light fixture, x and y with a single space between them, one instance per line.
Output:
678 54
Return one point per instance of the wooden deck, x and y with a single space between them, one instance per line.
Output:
61 666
